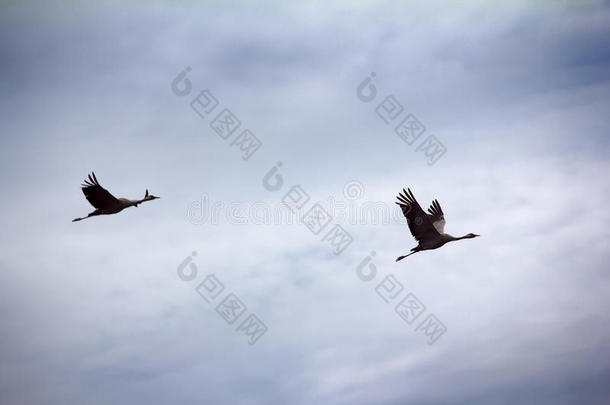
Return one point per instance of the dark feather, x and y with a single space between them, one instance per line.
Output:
437 217
98 196
420 225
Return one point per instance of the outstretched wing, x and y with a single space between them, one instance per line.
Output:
98 196
437 216
419 224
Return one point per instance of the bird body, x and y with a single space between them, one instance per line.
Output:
440 241
427 229
104 202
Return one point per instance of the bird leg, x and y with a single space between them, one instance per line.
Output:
90 215
399 258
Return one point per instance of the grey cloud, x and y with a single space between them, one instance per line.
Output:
95 313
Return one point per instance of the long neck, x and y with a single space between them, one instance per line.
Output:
143 199
133 203
451 238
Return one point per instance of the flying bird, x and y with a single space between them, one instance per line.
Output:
104 202
427 229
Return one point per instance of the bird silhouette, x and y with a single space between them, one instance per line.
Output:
427 229
104 202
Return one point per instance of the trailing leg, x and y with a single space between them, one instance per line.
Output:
91 214
399 258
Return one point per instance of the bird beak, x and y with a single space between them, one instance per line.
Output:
475 235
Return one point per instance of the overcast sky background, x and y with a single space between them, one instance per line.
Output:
93 312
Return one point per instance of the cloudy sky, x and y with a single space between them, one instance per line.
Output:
515 93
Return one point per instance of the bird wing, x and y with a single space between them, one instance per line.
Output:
437 216
419 224
97 195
